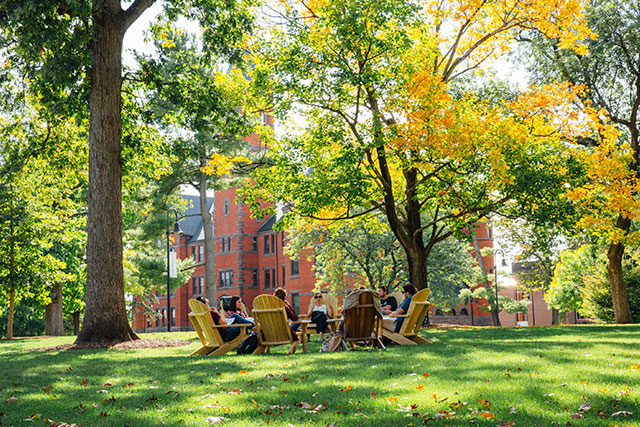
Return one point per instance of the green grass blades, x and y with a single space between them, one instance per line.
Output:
541 376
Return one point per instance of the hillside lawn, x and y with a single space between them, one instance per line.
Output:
538 376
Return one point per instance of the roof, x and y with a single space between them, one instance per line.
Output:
191 224
268 224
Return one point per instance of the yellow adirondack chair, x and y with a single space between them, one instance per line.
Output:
209 333
362 318
272 325
408 334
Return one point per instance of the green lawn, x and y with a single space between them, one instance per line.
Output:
485 377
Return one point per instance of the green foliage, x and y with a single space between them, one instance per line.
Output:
565 292
505 303
28 318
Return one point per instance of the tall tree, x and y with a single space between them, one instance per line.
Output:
610 74
200 127
388 124
72 52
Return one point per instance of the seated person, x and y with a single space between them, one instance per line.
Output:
235 314
387 302
409 291
291 314
227 334
320 313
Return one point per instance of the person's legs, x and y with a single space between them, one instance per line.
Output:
239 319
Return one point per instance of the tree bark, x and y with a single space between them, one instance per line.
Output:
105 317
209 247
53 318
12 298
76 322
616 281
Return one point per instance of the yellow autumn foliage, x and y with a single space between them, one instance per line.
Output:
220 164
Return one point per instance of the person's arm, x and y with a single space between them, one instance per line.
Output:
310 310
330 312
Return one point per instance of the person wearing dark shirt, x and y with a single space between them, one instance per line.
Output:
387 302
218 320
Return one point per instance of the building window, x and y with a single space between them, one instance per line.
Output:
269 246
225 278
225 244
254 277
193 253
197 286
283 275
200 253
254 243
295 267
163 317
225 207
269 278
173 316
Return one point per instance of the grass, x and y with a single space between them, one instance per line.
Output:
485 377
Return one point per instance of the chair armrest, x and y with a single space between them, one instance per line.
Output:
242 325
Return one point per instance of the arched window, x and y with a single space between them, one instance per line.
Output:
438 312
453 312
225 207
464 312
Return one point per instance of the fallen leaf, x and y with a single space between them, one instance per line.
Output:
576 416
487 415
102 391
420 387
506 424
584 407
347 388
11 399
216 420
424 374
622 413
244 371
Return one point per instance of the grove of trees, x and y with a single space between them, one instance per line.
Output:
394 141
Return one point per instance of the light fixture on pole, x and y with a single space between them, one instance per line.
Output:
176 230
495 281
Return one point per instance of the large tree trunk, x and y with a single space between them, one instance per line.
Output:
616 281
209 247
53 318
105 317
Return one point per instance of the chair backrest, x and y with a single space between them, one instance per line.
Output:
399 296
203 324
329 300
415 315
360 319
270 315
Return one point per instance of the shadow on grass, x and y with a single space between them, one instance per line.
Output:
541 374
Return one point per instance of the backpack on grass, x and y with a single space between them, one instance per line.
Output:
249 344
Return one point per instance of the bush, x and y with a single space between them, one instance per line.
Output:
597 301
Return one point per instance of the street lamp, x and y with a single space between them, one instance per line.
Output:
495 280
176 230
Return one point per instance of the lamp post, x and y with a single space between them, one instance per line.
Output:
176 230
495 280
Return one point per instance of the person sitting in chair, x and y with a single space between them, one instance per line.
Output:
409 290
320 313
387 302
291 314
227 334
236 313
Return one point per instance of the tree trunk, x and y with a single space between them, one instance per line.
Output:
555 316
12 298
53 318
616 281
76 322
105 317
209 247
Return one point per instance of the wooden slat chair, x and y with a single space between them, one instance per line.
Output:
272 325
408 334
362 322
329 300
209 333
